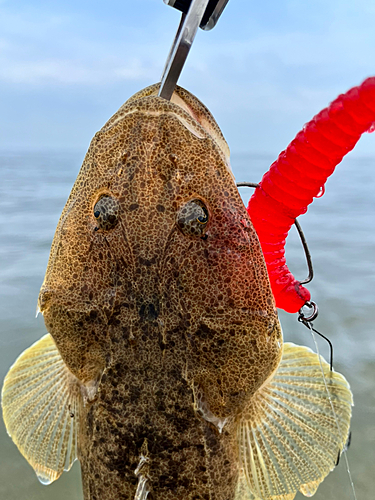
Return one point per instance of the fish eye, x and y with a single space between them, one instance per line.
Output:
203 219
106 211
192 218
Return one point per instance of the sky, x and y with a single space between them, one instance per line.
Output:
263 71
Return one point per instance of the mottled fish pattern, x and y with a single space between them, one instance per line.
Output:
164 370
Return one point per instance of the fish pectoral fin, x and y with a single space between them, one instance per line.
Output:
41 401
288 436
243 491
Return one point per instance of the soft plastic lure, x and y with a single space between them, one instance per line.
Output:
298 175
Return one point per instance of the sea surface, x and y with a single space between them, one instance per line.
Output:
339 228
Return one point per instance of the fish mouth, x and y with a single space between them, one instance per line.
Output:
201 118
193 115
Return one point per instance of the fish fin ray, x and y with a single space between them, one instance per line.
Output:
243 492
41 401
287 435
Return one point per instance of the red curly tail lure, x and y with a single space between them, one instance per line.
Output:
299 175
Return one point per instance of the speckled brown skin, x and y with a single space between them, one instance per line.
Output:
162 323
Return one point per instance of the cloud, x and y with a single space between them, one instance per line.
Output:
259 68
55 49
50 72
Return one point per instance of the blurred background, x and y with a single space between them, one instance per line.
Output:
266 69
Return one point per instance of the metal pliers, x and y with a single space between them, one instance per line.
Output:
195 13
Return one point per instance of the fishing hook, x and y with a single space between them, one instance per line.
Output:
305 320
300 233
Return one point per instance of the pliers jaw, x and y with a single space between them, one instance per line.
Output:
195 13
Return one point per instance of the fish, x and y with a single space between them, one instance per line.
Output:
164 370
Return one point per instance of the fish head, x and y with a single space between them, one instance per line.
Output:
155 233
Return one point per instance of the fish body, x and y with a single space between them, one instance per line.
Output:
164 340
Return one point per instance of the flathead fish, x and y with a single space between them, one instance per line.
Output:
164 370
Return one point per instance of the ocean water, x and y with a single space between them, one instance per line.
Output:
339 228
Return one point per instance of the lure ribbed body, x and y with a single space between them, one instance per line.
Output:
298 175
